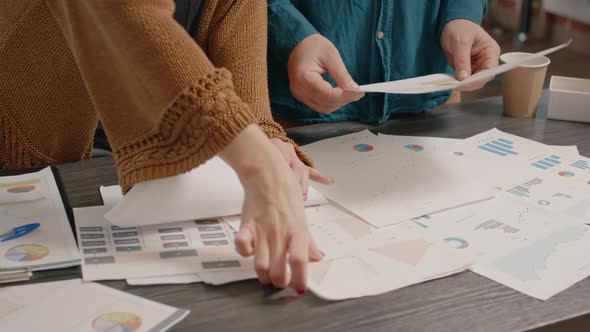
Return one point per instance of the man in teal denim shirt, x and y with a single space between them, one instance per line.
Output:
319 47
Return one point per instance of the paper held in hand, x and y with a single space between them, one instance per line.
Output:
444 82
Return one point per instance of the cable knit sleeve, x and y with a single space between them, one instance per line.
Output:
164 106
241 46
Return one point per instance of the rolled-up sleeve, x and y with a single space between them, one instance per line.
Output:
286 28
472 10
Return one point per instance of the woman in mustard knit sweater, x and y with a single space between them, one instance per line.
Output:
167 102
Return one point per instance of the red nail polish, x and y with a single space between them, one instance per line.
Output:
323 254
305 197
301 291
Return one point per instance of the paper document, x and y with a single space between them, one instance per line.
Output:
497 158
386 183
544 267
76 306
209 191
562 187
35 198
517 244
361 260
445 82
182 248
111 195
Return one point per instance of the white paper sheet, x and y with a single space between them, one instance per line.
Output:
209 191
489 229
35 198
385 183
444 82
563 187
496 233
495 158
361 260
76 306
545 267
190 247
111 195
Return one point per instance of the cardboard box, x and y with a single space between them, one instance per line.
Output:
569 99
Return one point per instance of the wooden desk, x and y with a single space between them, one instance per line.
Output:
465 302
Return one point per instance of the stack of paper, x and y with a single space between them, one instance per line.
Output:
181 252
76 306
515 206
35 198
404 210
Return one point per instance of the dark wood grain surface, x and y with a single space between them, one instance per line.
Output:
465 302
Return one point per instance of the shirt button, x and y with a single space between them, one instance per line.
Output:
380 34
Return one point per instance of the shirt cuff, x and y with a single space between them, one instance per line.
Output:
472 10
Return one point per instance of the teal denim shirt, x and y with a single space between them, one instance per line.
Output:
409 47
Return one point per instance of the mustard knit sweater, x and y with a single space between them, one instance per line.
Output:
167 102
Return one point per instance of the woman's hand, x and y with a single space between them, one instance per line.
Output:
303 172
273 227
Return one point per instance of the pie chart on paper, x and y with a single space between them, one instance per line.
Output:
27 253
117 322
457 243
363 148
414 147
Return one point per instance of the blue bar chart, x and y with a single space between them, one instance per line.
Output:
581 164
501 147
547 163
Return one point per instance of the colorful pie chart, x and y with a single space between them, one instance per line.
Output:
567 174
117 322
27 253
21 189
414 147
457 243
363 148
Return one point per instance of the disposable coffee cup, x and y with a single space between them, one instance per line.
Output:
522 86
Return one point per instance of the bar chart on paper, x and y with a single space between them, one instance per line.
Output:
581 164
547 163
496 225
500 147
524 189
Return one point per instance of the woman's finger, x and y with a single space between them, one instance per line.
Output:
316 176
262 260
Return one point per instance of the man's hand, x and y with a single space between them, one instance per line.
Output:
312 57
469 49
